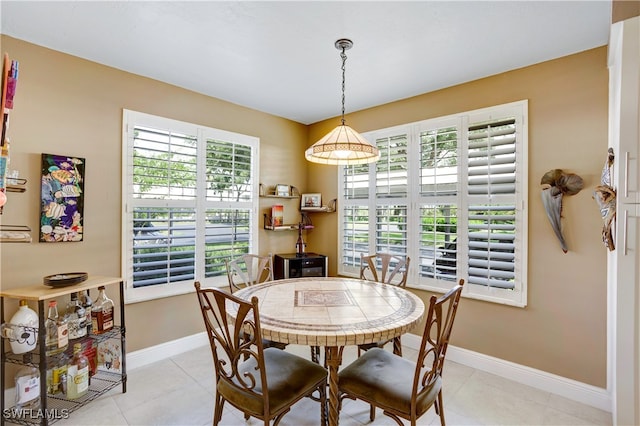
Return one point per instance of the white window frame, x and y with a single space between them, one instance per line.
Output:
514 297
134 118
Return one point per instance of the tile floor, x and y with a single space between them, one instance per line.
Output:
180 391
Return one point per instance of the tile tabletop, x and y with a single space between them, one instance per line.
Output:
333 311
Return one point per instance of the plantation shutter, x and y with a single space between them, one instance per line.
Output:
391 193
355 214
228 171
439 202
391 168
491 189
164 168
229 189
450 193
190 195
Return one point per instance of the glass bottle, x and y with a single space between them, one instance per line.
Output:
78 374
57 367
57 337
76 318
87 303
28 386
102 313
300 243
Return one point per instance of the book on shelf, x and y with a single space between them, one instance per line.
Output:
277 215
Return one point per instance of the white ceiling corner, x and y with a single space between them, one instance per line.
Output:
279 57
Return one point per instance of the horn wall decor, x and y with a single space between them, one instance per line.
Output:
556 184
605 196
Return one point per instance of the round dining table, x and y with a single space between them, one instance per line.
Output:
333 312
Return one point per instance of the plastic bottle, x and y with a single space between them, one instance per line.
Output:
27 382
78 374
24 339
76 318
57 338
102 313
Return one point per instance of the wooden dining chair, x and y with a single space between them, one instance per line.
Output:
260 382
251 269
406 389
389 269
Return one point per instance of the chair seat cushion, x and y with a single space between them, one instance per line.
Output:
289 377
385 379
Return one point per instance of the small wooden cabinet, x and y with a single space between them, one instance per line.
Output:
292 265
55 407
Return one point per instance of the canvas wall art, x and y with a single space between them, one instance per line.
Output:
62 198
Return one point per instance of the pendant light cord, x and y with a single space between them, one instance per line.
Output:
344 60
342 146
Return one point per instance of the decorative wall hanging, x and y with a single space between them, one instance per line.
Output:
555 184
605 196
61 198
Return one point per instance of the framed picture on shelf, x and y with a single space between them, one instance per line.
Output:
311 201
283 190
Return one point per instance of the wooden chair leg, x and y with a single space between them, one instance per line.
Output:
324 409
441 408
372 412
217 412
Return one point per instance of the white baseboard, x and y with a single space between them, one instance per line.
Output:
571 389
568 388
165 350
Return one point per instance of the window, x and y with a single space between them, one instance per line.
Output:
190 202
449 193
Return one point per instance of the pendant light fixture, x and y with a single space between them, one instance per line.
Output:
342 145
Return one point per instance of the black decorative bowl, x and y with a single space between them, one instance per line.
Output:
66 279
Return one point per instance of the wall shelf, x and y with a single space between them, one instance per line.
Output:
15 233
17 185
329 208
280 196
279 191
268 225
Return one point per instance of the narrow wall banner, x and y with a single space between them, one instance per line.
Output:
61 198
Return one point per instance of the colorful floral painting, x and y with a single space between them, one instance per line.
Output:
61 198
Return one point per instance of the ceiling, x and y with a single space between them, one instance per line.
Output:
279 57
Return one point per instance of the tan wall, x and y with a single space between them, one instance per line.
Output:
624 9
563 328
65 105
